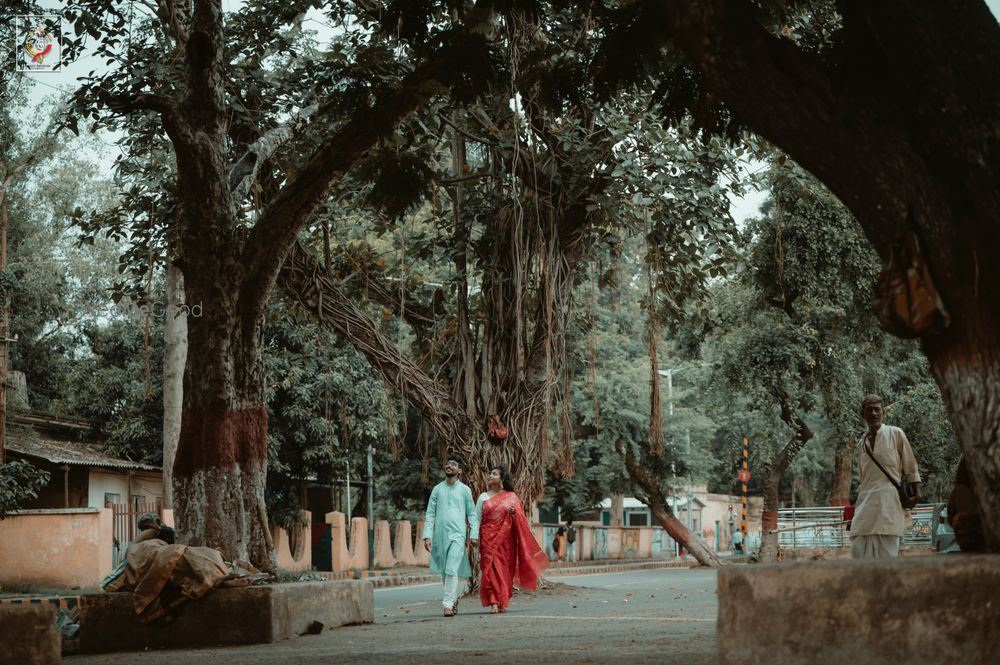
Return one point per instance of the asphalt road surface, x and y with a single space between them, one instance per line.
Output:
651 616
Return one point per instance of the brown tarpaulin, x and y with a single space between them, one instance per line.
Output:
163 576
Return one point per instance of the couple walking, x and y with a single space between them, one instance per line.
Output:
508 553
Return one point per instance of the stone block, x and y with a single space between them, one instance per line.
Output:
28 635
918 611
250 615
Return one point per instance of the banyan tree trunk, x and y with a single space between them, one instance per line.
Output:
658 508
801 433
221 466
680 533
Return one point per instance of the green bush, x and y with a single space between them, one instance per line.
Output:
19 482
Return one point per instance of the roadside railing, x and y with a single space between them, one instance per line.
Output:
824 526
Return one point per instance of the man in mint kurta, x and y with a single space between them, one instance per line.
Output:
448 510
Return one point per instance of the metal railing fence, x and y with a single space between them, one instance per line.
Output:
823 526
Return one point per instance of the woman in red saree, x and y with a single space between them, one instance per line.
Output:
508 552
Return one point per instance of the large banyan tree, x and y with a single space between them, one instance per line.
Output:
485 114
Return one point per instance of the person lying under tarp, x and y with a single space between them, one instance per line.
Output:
163 575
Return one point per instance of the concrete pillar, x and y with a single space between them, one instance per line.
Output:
383 546
105 542
359 543
340 556
615 543
299 558
17 391
403 544
420 553
645 542
585 543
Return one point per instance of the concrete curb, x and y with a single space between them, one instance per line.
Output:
381 579
388 578
617 568
62 602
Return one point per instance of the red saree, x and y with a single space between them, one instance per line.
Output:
508 553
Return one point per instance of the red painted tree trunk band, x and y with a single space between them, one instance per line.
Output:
213 438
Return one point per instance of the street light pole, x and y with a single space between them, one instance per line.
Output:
669 373
687 435
371 512
347 466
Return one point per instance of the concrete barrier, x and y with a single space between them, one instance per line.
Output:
250 615
918 611
295 559
28 635
403 544
420 553
383 546
341 557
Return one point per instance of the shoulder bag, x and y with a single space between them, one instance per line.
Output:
907 491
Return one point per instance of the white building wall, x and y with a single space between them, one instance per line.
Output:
147 486
106 482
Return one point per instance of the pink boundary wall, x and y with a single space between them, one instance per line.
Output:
56 548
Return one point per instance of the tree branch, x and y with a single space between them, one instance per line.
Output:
276 232
204 100
856 127
174 20
410 310
801 432
305 283
244 171
140 102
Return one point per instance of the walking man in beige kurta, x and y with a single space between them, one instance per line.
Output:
878 523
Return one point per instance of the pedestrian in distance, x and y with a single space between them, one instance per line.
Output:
884 460
738 542
570 541
509 556
450 517
559 544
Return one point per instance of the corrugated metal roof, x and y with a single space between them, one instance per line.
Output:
69 452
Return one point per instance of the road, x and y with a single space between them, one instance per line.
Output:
653 616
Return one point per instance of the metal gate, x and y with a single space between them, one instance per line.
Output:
124 528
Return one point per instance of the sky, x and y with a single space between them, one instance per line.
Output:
46 86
